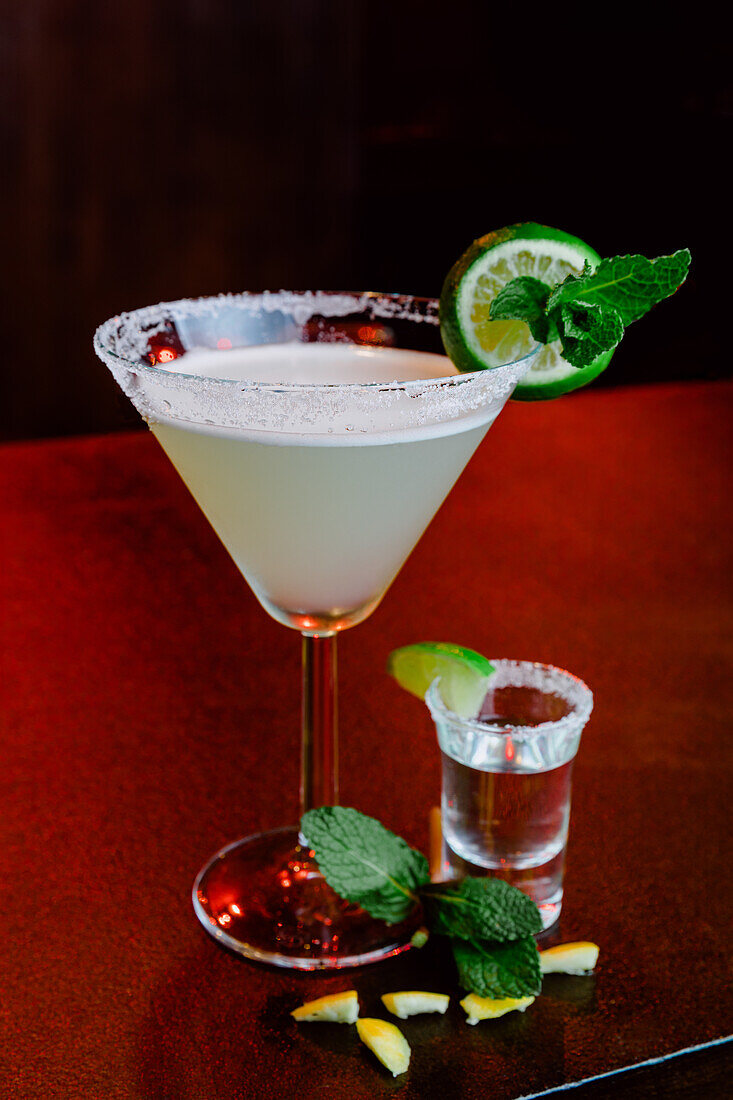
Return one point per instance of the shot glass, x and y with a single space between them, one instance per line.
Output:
506 778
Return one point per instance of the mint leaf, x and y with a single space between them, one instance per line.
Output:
525 298
631 285
480 908
589 312
499 970
586 330
364 862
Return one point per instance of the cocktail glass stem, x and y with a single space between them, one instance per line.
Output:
319 726
264 896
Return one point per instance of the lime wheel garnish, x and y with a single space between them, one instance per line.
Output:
474 342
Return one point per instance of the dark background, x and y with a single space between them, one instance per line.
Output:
155 149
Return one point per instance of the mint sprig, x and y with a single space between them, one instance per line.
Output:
589 312
490 924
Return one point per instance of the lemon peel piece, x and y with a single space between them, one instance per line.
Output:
579 957
490 1008
386 1042
414 1003
336 1008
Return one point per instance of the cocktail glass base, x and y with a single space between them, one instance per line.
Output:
265 898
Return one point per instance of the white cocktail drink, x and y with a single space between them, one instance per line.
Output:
319 433
320 523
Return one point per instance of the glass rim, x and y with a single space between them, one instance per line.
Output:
577 694
397 306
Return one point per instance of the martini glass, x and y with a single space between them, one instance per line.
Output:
319 433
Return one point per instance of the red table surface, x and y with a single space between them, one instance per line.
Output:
150 715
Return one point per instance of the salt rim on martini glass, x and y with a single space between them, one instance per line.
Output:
168 392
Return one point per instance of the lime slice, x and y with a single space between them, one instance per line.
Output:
414 1003
473 342
385 1041
336 1008
464 674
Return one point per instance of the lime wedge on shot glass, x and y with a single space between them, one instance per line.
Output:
464 674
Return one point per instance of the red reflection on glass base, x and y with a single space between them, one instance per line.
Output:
265 898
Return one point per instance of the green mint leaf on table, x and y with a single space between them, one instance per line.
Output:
364 862
490 924
499 970
589 312
480 908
